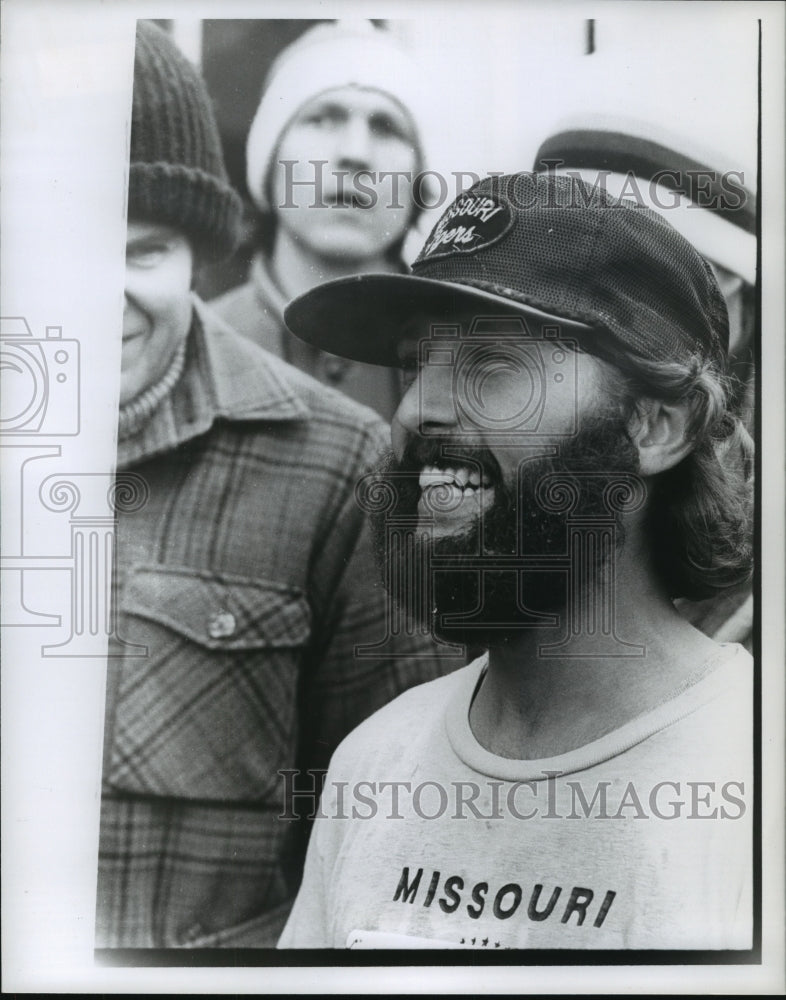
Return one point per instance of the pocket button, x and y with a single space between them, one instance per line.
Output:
221 625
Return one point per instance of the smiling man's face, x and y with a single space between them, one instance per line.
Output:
482 406
158 305
476 492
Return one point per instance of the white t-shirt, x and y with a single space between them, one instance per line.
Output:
640 839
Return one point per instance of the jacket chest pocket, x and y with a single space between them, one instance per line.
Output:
210 711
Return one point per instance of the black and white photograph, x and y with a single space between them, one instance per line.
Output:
392 461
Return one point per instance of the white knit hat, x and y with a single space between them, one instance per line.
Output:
328 56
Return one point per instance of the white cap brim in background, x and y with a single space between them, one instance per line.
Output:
701 111
713 235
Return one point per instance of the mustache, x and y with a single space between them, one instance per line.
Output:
443 453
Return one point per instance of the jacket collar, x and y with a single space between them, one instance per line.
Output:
267 291
241 385
226 377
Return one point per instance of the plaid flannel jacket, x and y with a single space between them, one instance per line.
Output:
242 588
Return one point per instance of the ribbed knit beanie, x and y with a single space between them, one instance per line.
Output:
177 173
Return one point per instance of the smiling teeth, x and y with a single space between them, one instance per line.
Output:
468 480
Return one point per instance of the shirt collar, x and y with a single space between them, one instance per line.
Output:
225 377
267 291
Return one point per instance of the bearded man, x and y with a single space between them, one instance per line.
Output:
565 464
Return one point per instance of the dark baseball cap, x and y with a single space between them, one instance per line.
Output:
549 248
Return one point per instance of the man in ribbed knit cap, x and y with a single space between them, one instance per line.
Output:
332 158
570 463
244 583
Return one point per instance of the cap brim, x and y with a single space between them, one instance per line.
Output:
365 317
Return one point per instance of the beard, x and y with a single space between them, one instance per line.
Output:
474 585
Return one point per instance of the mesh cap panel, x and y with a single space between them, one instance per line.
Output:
576 252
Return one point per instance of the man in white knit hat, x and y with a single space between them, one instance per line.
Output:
334 158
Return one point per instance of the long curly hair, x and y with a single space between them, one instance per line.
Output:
700 521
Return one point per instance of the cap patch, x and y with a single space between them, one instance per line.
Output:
470 224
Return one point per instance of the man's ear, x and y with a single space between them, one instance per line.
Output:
659 431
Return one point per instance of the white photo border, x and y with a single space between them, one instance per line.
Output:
67 72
